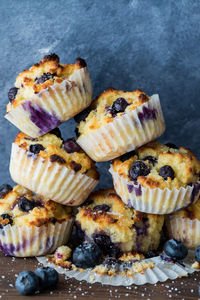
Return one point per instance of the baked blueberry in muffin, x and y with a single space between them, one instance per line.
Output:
119 122
48 94
157 178
117 228
31 225
55 168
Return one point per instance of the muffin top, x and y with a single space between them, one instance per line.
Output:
39 77
19 206
104 212
109 105
159 166
191 212
66 153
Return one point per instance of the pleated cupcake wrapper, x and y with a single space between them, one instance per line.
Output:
161 272
49 179
25 241
153 201
125 133
54 105
184 229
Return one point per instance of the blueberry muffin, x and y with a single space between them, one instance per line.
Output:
184 225
157 178
56 169
115 227
48 94
119 122
31 225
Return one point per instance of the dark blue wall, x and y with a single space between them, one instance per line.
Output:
149 44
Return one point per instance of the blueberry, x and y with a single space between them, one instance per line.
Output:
4 190
71 146
166 171
197 254
103 207
12 93
86 255
57 158
106 245
8 220
75 166
119 105
82 115
48 277
25 204
171 145
175 249
36 148
151 159
27 283
44 77
138 168
126 156
56 131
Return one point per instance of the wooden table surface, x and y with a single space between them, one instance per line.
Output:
182 288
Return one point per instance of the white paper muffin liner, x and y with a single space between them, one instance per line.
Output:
153 201
161 272
49 179
54 105
125 133
25 241
184 229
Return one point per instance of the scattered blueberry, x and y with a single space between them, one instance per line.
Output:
119 105
126 156
175 249
12 93
151 159
86 255
44 77
25 204
4 190
56 131
57 158
103 207
36 148
197 254
171 145
82 115
48 277
138 168
166 171
8 219
71 146
27 283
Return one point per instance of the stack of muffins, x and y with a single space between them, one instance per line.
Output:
150 180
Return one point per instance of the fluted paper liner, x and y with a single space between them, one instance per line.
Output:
125 133
153 201
49 179
184 229
25 241
161 272
54 105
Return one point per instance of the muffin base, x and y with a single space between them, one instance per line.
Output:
25 241
126 133
154 201
48 179
53 106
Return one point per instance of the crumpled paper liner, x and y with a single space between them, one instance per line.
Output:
124 134
59 102
161 272
152 201
49 179
25 241
184 229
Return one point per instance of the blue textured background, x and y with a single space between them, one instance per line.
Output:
149 44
